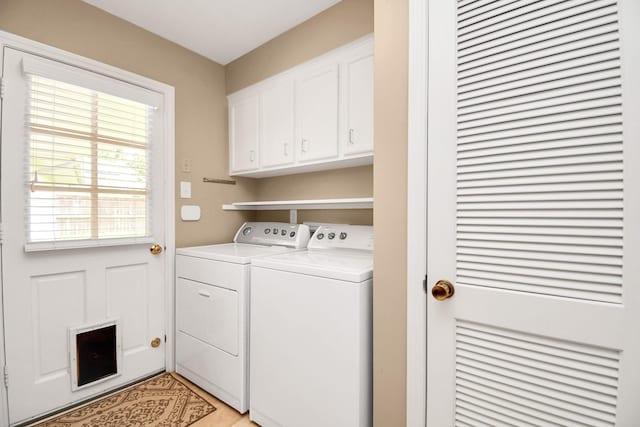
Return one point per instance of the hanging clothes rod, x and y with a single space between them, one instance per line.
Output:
219 181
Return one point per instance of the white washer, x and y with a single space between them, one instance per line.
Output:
311 332
212 307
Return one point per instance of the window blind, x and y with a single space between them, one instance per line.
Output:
87 164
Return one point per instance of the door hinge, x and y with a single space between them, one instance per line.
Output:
424 284
2 87
6 377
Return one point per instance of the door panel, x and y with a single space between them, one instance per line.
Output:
127 295
48 292
276 115
531 213
317 115
359 105
244 134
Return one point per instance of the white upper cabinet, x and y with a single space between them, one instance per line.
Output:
315 116
243 134
276 123
359 105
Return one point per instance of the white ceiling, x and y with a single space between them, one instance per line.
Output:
221 30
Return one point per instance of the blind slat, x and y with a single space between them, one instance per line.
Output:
87 167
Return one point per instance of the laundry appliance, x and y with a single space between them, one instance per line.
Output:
311 332
212 306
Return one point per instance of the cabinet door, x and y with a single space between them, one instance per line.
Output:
276 148
359 114
244 134
317 115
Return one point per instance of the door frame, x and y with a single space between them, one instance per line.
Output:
168 93
417 283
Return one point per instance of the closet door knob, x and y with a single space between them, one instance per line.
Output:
442 290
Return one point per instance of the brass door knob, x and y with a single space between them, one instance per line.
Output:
155 342
442 290
155 249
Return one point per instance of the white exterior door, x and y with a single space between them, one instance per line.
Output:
47 292
533 213
317 115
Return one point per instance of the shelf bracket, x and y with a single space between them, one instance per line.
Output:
293 216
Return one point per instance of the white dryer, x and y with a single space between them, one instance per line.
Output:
212 306
311 332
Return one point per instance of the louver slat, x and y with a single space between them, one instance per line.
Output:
519 379
543 17
540 160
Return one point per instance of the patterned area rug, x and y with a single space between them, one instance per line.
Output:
161 401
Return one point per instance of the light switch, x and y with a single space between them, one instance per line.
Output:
185 189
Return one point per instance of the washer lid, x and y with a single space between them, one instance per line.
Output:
349 265
238 253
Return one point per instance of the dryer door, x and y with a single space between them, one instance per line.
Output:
208 313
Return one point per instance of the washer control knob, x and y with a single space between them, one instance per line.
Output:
343 236
267 230
246 231
275 230
283 232
331 235
320 236
292 234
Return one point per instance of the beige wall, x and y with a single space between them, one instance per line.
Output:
338 25
201 107
201 135
389 219
337 183
346 21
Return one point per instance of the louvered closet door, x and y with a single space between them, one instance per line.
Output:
534 212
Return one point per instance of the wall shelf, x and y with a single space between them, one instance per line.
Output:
294 205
